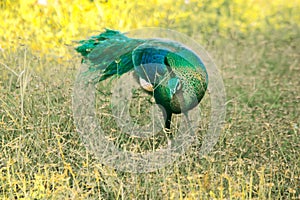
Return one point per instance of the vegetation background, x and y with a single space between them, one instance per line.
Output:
254 43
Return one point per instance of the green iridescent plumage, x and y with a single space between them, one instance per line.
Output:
177 76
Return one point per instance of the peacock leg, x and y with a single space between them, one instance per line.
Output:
168 121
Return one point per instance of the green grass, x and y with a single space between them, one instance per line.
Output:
256 157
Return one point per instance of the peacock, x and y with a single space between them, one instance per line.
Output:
173 73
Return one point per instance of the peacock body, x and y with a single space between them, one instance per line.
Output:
176 75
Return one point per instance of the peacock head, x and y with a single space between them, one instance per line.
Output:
173 86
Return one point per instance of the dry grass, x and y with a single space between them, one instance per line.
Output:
43 157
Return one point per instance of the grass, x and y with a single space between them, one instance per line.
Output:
256 157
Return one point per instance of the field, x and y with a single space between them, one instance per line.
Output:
255 45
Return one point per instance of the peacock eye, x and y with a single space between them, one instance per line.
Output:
179 86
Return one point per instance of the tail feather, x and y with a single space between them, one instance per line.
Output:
110 52
88 45
118 67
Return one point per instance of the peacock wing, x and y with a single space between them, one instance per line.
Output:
149 60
